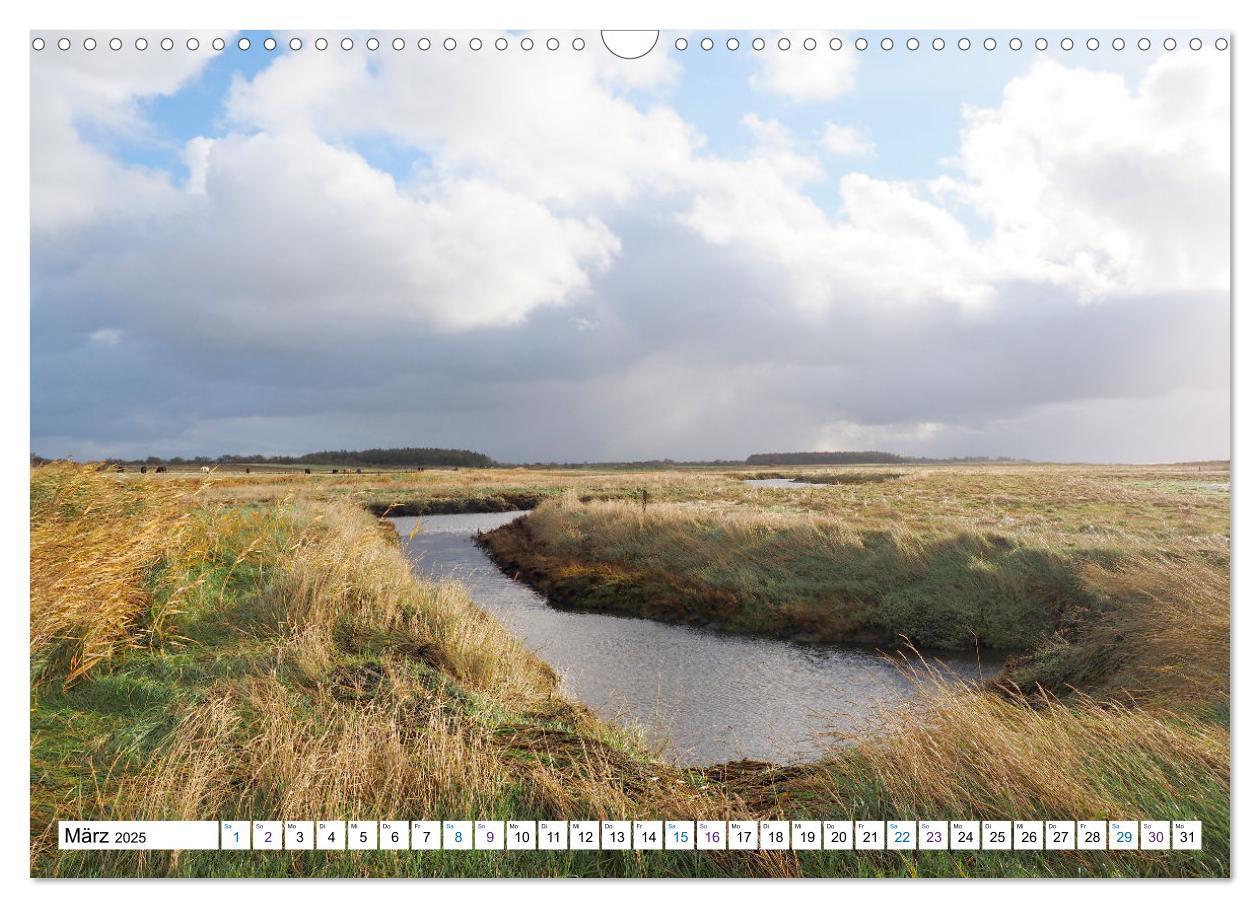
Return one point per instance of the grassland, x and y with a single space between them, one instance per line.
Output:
256 646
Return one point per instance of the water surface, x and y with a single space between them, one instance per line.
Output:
705 696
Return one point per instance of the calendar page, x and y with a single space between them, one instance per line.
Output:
725 453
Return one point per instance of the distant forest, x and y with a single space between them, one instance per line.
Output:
802 458
371 457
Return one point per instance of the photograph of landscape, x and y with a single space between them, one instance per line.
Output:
504 426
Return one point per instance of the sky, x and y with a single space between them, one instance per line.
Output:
561 255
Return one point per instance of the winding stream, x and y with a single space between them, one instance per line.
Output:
705 697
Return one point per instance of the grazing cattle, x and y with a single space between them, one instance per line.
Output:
358 471
334 471
247 469
160 470
144 469
307 471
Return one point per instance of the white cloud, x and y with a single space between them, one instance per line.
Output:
1091 185
846 141
804 75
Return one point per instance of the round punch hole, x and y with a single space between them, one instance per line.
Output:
553 44
835 44
501 43
1092 44
167 44
269 43
1196 44
759 44
219 44
321 44
1144 43
1170 44
398 44
63 43
1016 44
243 44
964 44
527 44
424 44
142 44
296 44
912 44
784 44
1066 44
886 44
1222 44
347 43
450 44
990 44
732 44
38 44
1041 44
938 44
1117 44
706 44
680 44
861 44
810 44
372 44
578 44
192 44
115 43
475 44
90 44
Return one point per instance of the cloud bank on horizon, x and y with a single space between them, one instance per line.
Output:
567 256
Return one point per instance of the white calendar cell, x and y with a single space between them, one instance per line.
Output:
522 835
1060 835
584 835
268 835
553 835
680 835
488 835
614 835
362 835
234 835
995 835
806 835
1028 835
774 835
330 835
394 835
1187 835
426 835
868 835
649 835
711 835
902 835
457 835
1156 835
933 835
1122 835
964 835
299 835
1091 835
741 835
837 835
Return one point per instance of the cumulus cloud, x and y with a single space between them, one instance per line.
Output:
846 141
805 75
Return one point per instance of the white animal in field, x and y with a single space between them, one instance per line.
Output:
205 469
